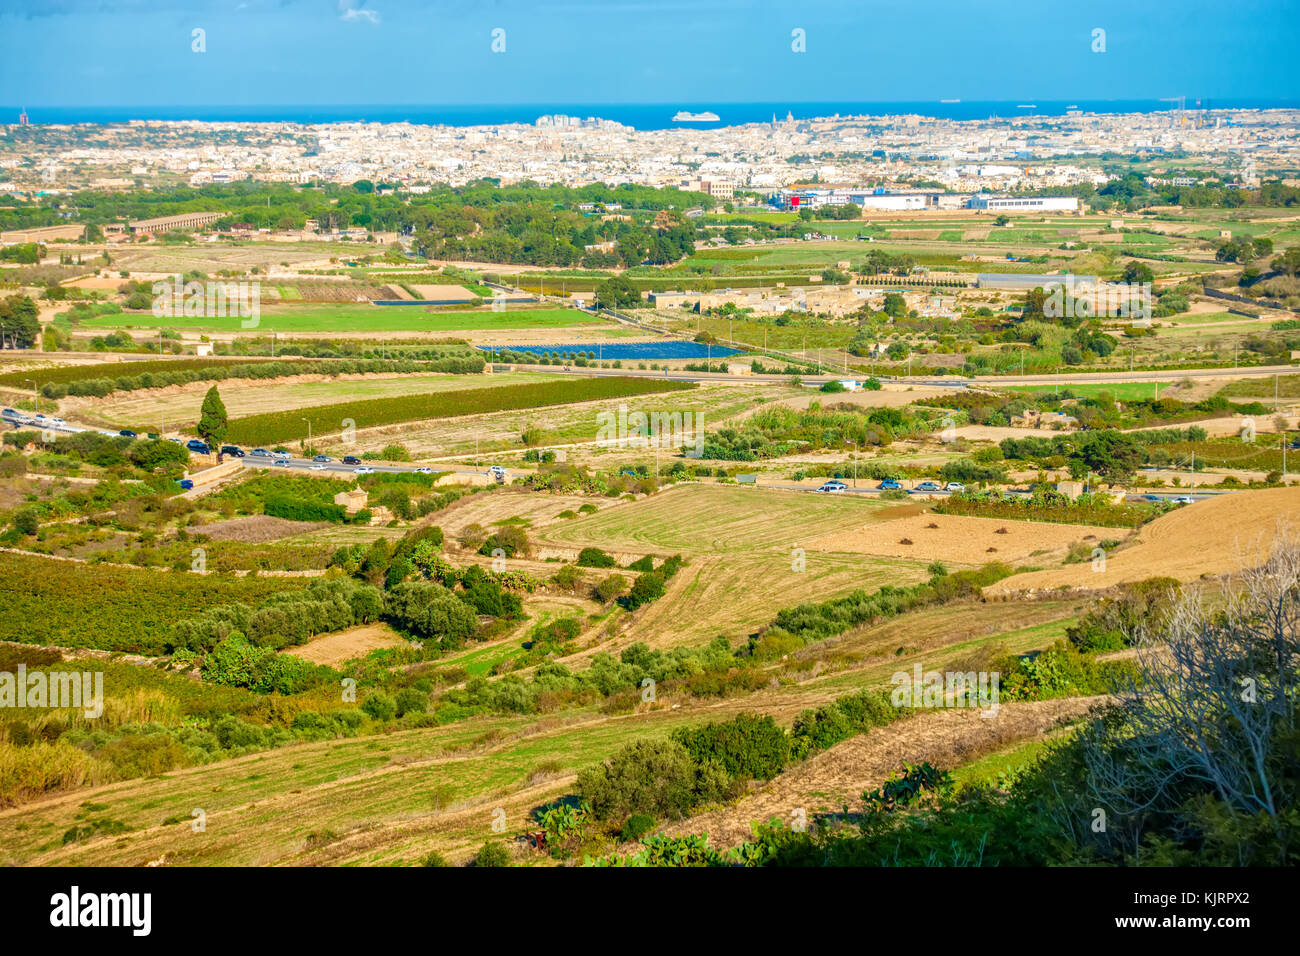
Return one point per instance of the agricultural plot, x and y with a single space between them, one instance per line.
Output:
179 407
324 419
964 540
1217 536
354 318
74 604
749 558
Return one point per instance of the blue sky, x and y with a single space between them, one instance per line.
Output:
277 52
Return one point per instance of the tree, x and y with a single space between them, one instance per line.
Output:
1113 455
1137 272
617 292
18 315
213 421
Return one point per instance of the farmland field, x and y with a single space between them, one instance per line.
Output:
181 408
74 604
282 426
357 318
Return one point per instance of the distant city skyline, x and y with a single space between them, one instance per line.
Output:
344 52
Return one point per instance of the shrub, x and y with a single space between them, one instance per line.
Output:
657 777
647 587
492 854
637 826
595 558
379 706
747 747
611 587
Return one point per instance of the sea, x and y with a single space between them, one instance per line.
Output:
641 116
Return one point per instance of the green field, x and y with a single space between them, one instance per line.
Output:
70 604
1120 391
358 318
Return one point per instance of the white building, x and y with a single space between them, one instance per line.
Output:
1025 203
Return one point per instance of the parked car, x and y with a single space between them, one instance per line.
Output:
260 453
956 486
351 460
234 451
889 484
832 487
127 433
198 447
1184 500
363 470
186 484
928 486
322 458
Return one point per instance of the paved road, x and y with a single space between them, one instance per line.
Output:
943 381
338 468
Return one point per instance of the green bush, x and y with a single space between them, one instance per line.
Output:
748 747
595 558
493 853
379 706
656 777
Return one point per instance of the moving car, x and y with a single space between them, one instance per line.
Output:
1184 500
280 463
319 466
889 484
833 486
234 451
351 460
322 458
424 470
260 453
1151 498
127 433
928 486
363 470
198 447
281 455
954 486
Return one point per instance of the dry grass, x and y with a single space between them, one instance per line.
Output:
332 649
1213 537
960 539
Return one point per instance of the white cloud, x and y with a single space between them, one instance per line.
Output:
355 14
